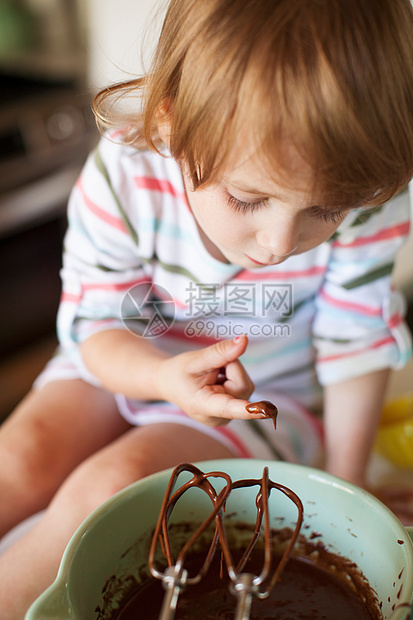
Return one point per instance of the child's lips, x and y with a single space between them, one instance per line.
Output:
257 262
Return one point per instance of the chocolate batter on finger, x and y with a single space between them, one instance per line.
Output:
266 408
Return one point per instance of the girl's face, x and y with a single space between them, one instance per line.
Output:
249 220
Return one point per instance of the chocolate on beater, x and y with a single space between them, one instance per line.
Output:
266 408
244 585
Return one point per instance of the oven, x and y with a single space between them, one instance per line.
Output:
46 131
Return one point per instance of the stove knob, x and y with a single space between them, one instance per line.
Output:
65 123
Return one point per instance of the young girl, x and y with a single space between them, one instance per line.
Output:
231 239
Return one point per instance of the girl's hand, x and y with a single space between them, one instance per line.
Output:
210 385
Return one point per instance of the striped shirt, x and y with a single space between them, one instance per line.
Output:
134 260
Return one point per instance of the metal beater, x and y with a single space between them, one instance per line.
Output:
243 585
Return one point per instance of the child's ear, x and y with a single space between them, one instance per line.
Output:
164 120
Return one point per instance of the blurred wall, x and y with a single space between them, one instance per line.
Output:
120 36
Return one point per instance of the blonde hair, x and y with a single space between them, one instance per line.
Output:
332 77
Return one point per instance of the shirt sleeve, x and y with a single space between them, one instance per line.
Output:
358 326
101 253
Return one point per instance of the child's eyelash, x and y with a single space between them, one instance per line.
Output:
249 207
329 216
243 206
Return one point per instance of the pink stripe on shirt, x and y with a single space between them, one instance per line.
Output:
394 321
112 286
233 438
280 275
197 337
376 345
399 230
350 305
70 297
113 221
159 185
101 286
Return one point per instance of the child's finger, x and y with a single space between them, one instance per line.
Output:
217 355
238 383
219 407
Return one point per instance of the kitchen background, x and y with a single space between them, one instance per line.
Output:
54 54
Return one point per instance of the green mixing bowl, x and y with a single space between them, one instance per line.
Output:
351 522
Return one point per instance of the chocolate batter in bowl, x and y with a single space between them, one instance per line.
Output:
106 559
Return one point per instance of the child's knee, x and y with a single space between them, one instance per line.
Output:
29 452
94 481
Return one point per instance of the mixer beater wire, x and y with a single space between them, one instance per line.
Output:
244 585
175 578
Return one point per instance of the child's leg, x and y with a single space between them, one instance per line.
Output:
47 436
28 567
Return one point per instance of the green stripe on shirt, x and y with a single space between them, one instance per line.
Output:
100 165
370 276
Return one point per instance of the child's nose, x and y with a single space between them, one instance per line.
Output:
279 239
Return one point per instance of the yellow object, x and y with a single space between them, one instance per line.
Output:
395 434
